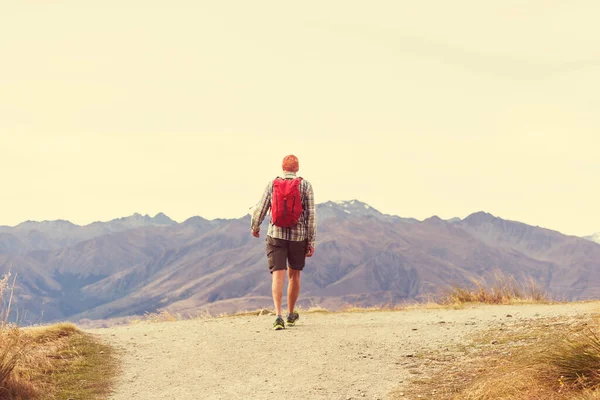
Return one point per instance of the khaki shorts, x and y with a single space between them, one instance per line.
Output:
282 253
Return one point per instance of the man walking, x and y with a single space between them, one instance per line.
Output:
291 234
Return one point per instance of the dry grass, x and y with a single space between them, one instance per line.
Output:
58 362
86 369
51 333
577 359
6 297
11 351
12 347
168 316
429 305
50 362
501 289
552 359
589 395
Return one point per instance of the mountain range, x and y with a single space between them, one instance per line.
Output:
140 264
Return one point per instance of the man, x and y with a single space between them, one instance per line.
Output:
291 234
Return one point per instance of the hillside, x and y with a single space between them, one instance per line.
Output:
140 264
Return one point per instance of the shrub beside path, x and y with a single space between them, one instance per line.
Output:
355 355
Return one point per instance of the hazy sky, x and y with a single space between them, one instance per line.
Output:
187 107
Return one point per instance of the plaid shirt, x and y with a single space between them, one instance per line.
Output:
307 225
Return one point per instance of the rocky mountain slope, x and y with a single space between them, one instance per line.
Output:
363 257
51 235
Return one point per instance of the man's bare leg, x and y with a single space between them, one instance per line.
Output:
277 289
293 288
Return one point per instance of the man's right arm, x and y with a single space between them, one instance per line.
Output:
311 214
261 209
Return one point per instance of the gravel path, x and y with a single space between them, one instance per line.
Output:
325 356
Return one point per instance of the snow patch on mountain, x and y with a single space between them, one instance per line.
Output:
354 209
594 238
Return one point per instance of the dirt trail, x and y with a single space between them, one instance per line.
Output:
326 356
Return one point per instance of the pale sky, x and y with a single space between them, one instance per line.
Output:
187 107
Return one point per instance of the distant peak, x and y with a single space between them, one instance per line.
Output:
195 218
196 221
162 218
135 216
354 208
56 223
480 217
482 213
349 203
434 220
138 219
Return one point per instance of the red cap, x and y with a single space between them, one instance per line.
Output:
290 163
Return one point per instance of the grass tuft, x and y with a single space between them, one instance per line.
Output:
50 362
11 345
51 333
502 289
589 395
58 362
11 351
549 359
577 360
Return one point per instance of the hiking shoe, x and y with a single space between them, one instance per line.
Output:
292 318
278 324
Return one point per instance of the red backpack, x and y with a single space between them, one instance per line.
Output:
286 203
